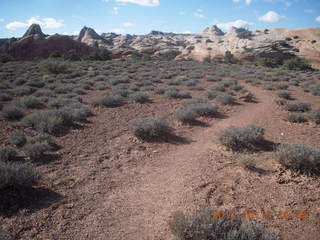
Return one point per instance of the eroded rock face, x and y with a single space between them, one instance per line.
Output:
278 43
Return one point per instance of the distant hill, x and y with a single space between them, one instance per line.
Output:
277 43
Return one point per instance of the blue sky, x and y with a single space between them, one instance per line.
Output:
142 16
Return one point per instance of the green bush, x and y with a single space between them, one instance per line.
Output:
243 33
269 62
7 154
299 64
55 66
72 55
12 112
202 226
297 106
173 93
201 107
75 112
55 54
150 128
17 175
299 157
4 58
18 138
229 58
237 138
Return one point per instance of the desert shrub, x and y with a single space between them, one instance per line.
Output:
201 107
299 157
45 121
202 225
285 95
298 106
296 117
140 97
75 112
35 150
55 66
236 87
18 138
191 83
237 138
269 62
23 91
173 93
186 115
72 55
246 161
149 128
12 112
4 58
211 94
229 58
243 33
30 102
17 175
109 101
7 154
159 90
314 116
5 97
225 99
55 54
298 63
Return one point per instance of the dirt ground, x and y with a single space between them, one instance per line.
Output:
106 184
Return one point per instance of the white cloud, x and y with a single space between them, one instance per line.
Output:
199 13
127 24
248 2
147 3
14 25
43 22
318 19
115 10
270 16
238 24
118 30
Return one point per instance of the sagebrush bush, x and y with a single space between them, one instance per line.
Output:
11 112
186 115
36 150
7 154
299 157
18 138
285 95
149 128
202 226
297 106
17 175
109 101
55 66
296 117
140 97
30 102
159 90
45 121
225 99
314 116
201 106
174 93
75 112
237 138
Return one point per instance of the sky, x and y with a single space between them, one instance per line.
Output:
142 16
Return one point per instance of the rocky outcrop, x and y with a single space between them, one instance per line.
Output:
277 43
34 31
90 37
35 44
